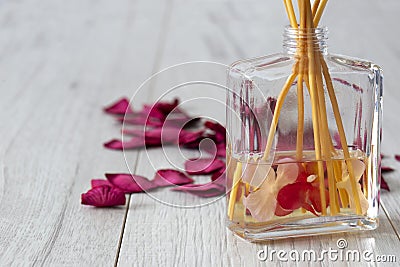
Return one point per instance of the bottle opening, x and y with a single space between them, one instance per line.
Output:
301 40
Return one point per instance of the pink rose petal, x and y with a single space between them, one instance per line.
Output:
384 184
130 183
103 196
141 120
168 177
219 175
203 166
386 169
202 190
120 107
219 130
99 182
190 139
134 142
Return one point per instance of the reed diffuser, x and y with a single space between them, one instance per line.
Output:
304 137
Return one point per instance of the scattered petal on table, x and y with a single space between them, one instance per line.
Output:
397 157
99 182
219 130
219 175
384 184
203 166
120 107
134 142
386 169
130 183
103 196
210 189
168 177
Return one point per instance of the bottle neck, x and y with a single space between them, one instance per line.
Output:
297 41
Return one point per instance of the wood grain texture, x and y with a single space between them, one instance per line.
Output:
61 61
187 237
64 61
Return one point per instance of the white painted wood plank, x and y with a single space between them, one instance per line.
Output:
224 31
61 62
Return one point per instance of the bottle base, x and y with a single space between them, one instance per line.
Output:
305 227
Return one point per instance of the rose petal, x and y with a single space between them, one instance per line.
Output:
99 182
141 120
190 139
219 175
293 196
210 189
386 169
130 183
279 211
157 136
135 142
160 110
315 198
168 177
384 184
397 157
203 166
119 107
103 196
219 130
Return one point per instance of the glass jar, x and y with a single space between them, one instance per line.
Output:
303 145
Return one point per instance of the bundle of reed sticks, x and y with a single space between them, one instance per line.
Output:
311 70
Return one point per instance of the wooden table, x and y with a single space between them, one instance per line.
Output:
62 61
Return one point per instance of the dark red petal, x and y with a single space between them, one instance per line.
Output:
130 183
119 107
165 106
103 196
141 120
386 169
181 121
279 211
309 208
315 198
293 196
99 182
202 190
153 112
384 185
203 166
168 177
397 157
135 142
219 175
190 139
219 130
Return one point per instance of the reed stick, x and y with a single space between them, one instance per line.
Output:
291 14
342 135
320 10
312 72
235 185
315 110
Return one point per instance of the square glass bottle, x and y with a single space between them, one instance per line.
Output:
303 144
